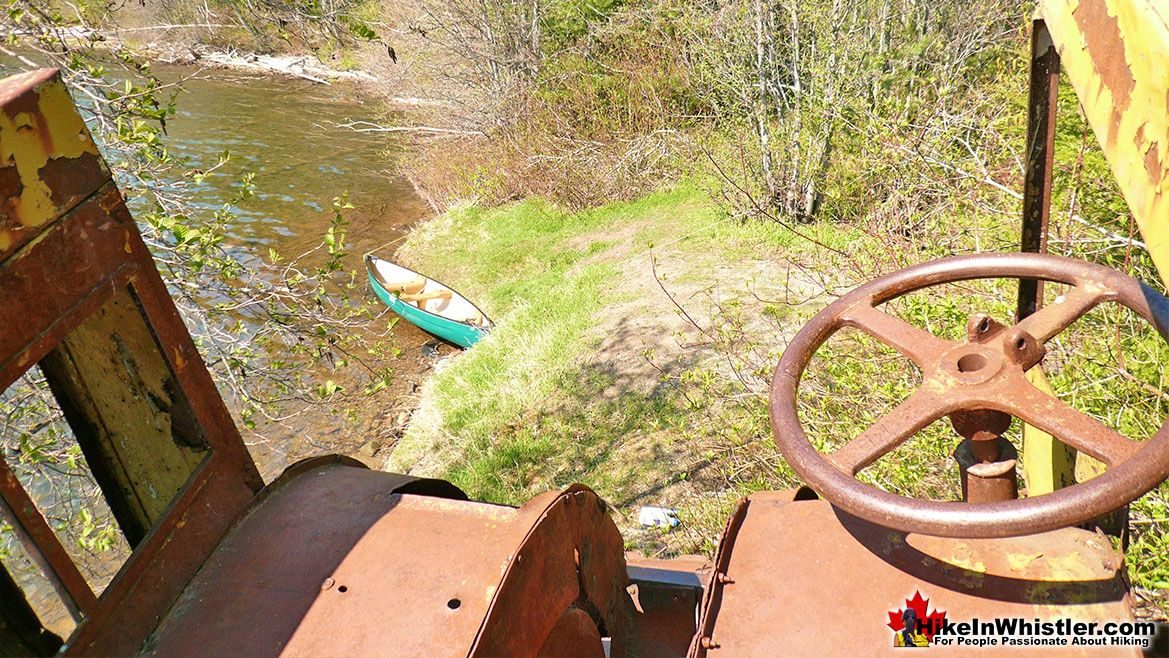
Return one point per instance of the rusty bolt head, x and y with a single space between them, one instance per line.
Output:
1021 348
980 328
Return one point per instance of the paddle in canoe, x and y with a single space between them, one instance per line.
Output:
431 306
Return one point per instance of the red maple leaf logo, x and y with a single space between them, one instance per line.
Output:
930 623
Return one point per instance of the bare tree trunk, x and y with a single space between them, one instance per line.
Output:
492 63
797 106
831 84
761 113
534 38
812 194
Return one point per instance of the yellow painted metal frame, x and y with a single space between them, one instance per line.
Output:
1115 53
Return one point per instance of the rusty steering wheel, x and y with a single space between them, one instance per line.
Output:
982 372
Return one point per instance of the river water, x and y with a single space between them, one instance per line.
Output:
287 133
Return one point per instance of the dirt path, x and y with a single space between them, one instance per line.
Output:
675 305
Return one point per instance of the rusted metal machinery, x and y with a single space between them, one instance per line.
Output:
335 559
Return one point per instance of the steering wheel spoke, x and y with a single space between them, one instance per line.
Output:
917 344
1054 318
1068 424
908 418
983 373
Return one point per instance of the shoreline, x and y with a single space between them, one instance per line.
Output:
184 52
304 67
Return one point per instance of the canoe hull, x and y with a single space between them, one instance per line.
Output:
459 333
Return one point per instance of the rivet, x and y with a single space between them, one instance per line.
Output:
328 584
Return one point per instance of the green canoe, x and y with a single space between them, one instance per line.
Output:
426 303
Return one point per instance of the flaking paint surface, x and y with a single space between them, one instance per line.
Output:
41 136
1114 52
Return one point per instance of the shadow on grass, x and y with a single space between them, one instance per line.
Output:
613 425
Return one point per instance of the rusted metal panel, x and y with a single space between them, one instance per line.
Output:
712 598
1114 54
395 482
55 283
336 561
575 634
147 585
667 596
130 417
573 553
805 579
48 161
43 546
68 249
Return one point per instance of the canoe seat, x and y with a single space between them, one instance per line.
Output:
408 287
423 296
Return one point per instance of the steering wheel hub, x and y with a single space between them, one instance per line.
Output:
972 363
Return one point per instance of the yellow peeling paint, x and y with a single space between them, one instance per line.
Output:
30 140
962 567
1114 52
1020 561
1069 567
976 566
970 576
179 361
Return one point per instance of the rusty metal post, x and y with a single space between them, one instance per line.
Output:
1049 465
43 546
987 482
986 461
1041 109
